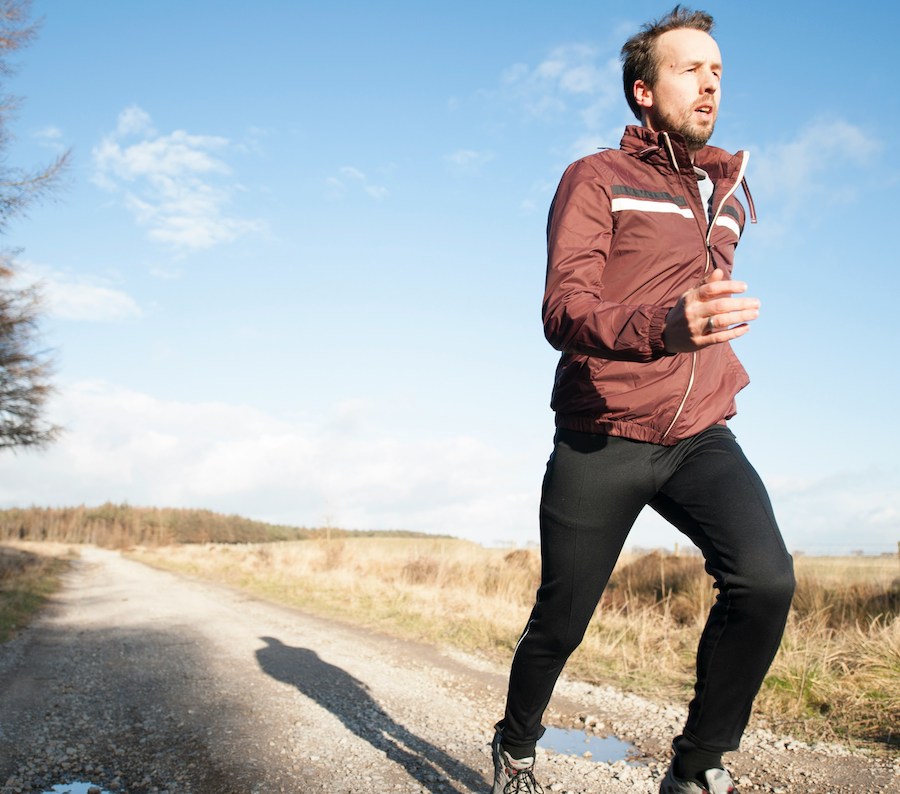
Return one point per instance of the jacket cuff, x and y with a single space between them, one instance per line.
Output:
657 325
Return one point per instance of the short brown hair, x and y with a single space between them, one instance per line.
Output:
638 55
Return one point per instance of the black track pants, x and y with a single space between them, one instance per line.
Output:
594 488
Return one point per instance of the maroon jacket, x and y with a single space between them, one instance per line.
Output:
626 237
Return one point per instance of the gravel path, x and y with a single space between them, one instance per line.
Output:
139 681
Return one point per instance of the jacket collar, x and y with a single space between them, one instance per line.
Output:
669 150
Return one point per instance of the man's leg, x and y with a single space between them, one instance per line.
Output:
594 488
715 497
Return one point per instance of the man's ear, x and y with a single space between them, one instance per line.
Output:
643 94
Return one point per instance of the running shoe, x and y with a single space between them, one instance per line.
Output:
718 781
512 775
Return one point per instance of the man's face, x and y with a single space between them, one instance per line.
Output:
685 97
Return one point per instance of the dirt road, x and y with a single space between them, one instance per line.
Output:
140 681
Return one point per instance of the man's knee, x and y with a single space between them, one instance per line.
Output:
771 589
780 589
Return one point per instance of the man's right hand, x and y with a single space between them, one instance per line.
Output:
709 315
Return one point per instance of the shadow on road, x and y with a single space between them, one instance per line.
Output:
350 701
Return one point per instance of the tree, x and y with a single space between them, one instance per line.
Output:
25 369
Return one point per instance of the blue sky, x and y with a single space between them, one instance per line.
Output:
297 267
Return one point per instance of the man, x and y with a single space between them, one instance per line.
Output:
640 301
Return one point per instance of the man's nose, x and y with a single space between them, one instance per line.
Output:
709 82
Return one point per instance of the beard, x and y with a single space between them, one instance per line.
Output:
695 135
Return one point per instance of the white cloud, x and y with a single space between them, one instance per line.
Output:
82 298
577 88
573 77
122 445
176 185
790 173
837 512
165 157
134 121
349 174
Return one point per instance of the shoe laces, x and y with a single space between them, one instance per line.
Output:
523 782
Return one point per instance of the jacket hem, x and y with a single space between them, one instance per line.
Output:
606 427
629 430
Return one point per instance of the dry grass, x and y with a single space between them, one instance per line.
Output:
839 663
433 589
837 674
29 573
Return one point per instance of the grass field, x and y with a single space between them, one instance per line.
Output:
29 573
836 677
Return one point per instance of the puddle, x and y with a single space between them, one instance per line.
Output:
604 750
75 788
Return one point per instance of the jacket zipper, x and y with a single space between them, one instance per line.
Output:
745 156
740 177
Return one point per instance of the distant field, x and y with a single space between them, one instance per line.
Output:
841 571
837 675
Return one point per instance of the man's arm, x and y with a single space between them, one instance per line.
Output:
577 319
